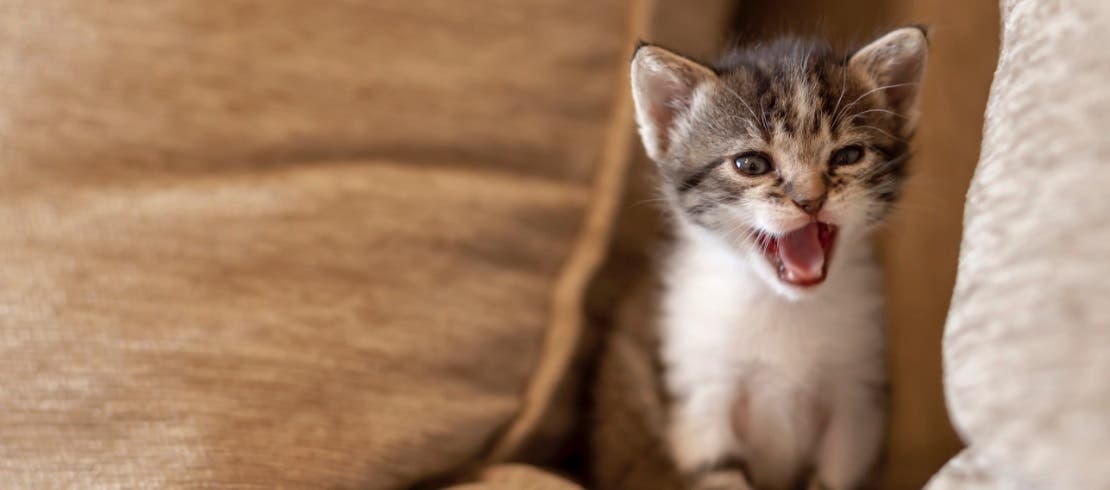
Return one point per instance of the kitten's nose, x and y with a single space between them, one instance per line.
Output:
810 206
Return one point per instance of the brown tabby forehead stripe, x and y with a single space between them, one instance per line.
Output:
781 68
798 92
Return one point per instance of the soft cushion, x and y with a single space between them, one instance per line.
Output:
277 243
1027 344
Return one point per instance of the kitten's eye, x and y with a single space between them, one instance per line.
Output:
847 155
752 164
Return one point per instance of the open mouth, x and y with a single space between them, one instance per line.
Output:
801 256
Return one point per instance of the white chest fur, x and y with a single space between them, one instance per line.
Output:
729 339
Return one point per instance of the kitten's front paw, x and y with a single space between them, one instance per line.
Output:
722 480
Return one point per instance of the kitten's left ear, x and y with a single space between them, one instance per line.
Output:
896 64
663 89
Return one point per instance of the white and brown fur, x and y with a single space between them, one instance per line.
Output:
774 386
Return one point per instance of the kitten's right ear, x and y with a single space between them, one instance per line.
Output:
663 88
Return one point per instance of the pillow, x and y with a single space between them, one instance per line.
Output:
294 244
1027 343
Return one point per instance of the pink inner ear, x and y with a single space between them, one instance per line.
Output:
663 85
905 71
897 61
668 96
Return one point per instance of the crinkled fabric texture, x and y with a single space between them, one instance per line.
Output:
1027 345
286 244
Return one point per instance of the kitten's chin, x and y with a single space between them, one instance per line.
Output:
797 262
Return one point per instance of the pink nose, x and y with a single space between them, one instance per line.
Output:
810 206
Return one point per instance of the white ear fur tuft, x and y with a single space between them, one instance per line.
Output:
896 61
663 88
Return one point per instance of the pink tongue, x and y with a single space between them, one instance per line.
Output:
801 253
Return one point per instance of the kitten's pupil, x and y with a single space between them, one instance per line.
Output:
752 164
847 155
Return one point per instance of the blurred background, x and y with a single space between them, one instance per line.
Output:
388 243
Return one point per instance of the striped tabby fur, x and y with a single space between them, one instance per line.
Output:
776 383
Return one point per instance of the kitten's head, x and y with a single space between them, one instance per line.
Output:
783 149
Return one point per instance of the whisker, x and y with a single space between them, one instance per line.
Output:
742 101
843 88
885 111
891 136
763 116
869 92
649 201
884 166
730 233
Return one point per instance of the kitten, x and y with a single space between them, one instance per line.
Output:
775 164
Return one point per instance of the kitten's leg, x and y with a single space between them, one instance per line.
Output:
851 441
704 446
